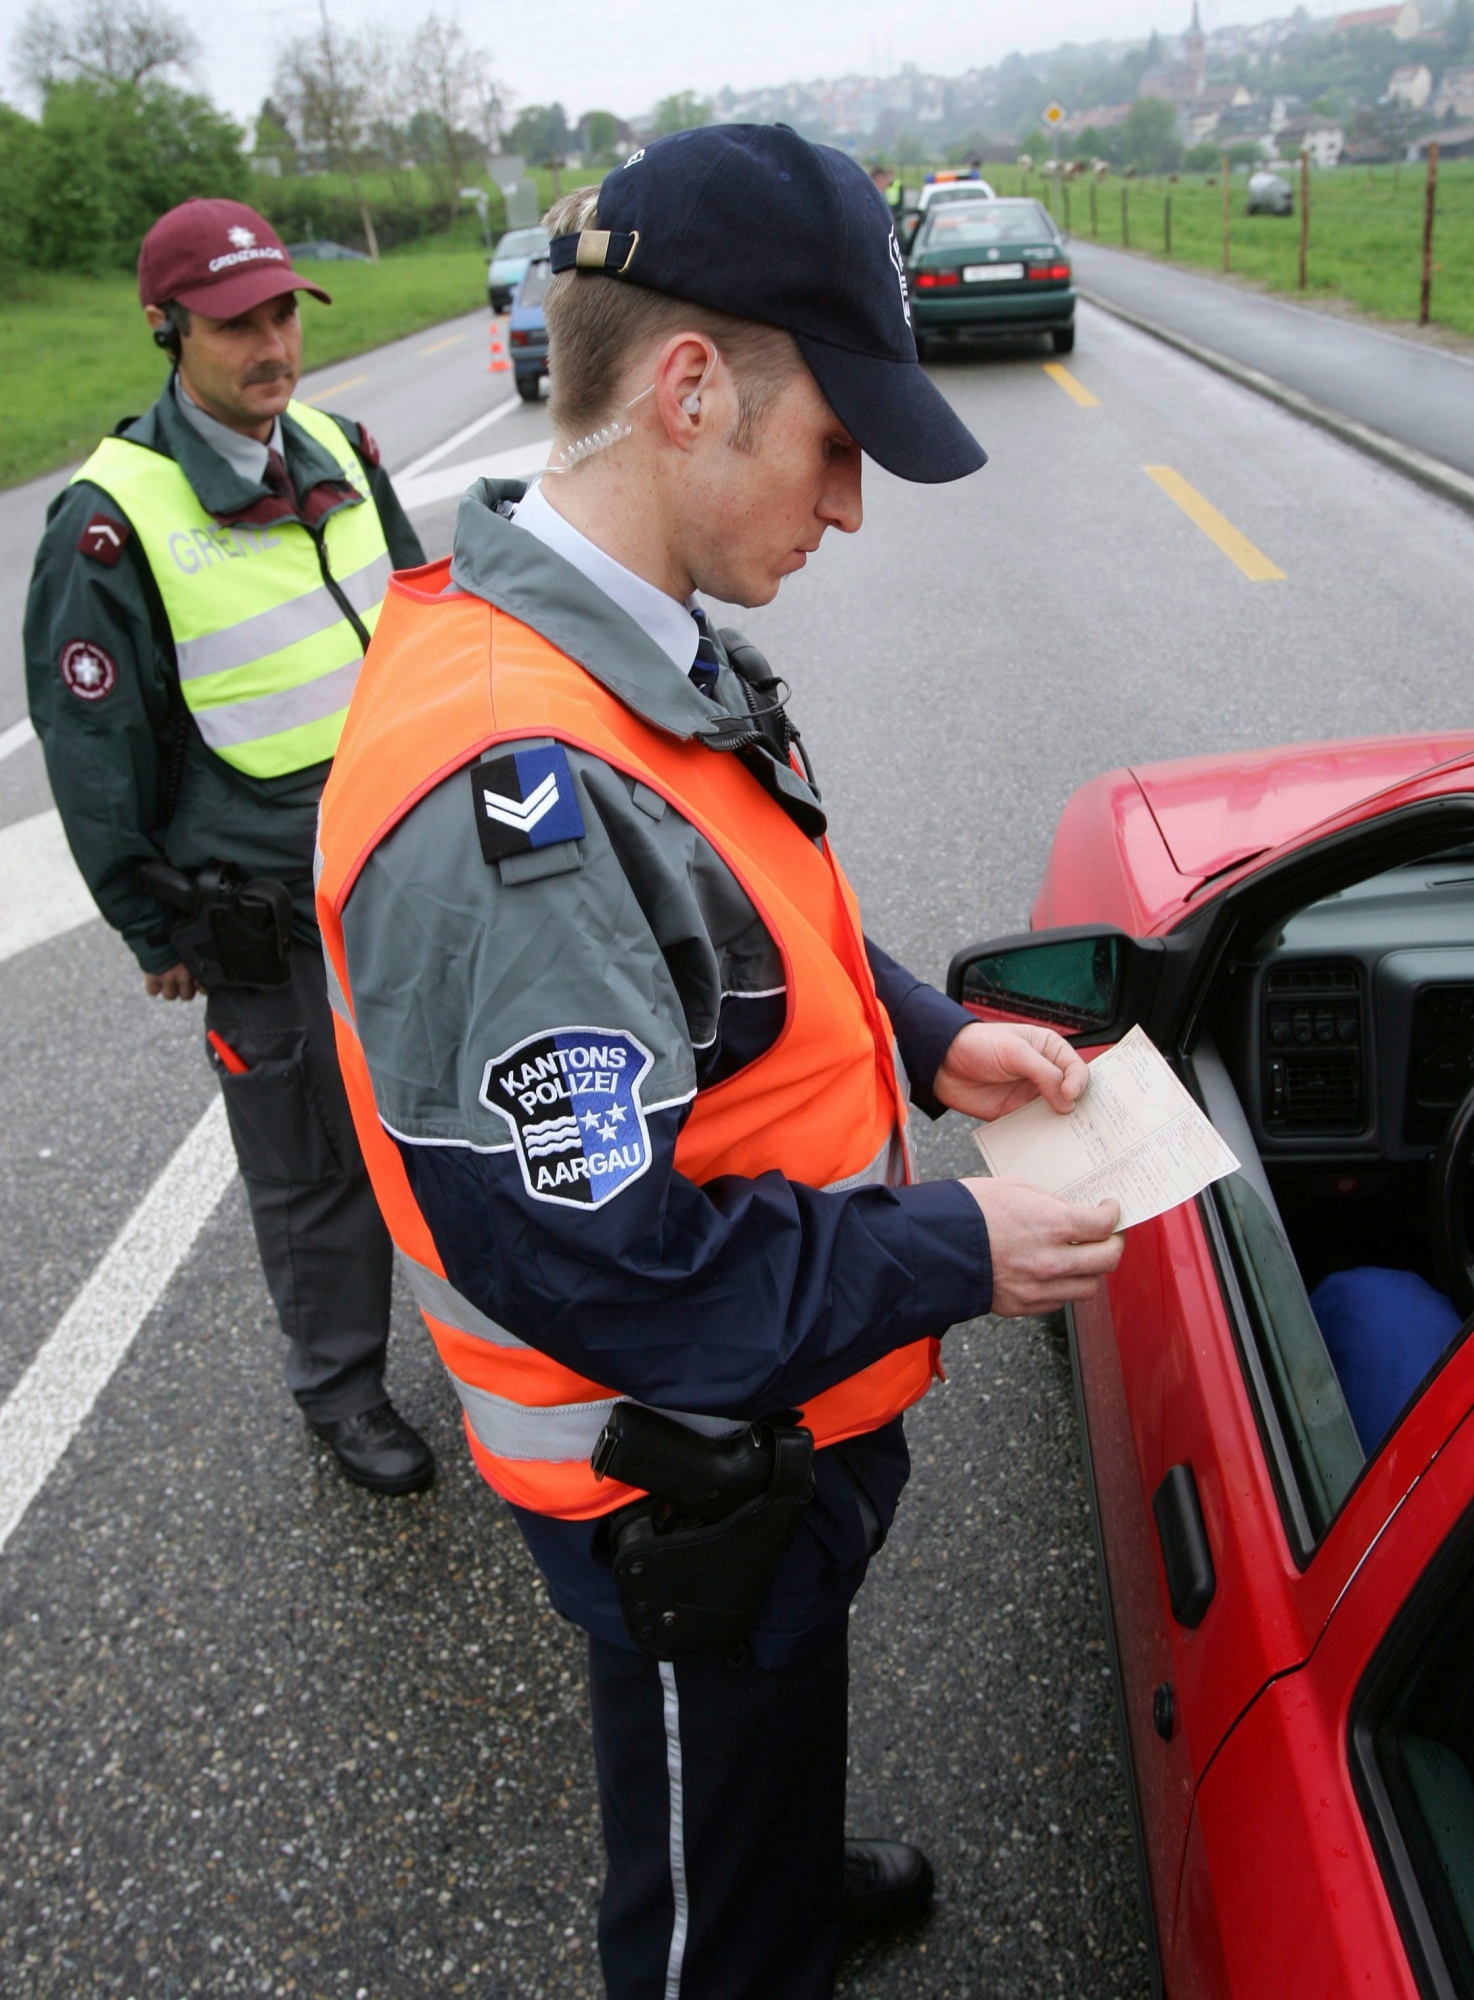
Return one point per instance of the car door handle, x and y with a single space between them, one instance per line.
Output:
1186 1556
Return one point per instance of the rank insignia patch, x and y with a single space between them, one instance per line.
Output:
525 800
104 539
572 1099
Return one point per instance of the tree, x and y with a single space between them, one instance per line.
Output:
323 79
683 112
448 80
274 140
600 134
112 158
1459 28
540 134
98 42
1148 137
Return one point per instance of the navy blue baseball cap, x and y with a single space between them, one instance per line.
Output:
755 221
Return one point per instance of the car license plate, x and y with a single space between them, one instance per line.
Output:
981 274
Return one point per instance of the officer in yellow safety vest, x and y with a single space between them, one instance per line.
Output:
629 1077
202 601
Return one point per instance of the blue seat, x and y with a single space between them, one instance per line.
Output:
1383 1330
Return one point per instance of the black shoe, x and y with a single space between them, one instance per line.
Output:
378 1449
885 1883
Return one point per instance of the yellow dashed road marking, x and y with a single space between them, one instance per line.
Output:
439 344
336 388
1076 391
1255 565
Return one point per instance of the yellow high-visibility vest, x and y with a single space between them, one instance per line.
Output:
267 657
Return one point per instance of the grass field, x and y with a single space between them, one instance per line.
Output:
1366 232
75 352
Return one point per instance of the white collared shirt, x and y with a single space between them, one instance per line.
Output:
244 455
662 618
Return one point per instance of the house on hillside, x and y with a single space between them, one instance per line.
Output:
1212 108
1410 84
1454 97
1455 142
1101 116
1404 22
1322 138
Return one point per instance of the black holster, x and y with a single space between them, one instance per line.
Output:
231 932
692 1560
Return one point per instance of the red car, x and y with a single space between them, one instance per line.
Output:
1275 1387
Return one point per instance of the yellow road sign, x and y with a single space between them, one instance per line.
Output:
1054 114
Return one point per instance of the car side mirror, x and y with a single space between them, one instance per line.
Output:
1092 985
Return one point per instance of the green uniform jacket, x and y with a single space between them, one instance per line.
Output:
113 761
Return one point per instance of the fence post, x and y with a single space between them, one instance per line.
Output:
1429 196
1094 227
1125 220
1304 213
1225 211
1065 186
1167 223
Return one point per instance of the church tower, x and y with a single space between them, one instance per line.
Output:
1195 47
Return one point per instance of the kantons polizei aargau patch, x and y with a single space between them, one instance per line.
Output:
525 800
572 1099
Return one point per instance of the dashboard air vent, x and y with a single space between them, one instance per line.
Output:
1313 1042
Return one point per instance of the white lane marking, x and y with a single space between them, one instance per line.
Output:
54 1398
16 737
452 480
42 892
461 437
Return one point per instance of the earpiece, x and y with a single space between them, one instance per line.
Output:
166 337
692 404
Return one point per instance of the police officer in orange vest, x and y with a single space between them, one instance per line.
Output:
630 1080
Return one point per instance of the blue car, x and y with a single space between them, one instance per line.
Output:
528 332
509 263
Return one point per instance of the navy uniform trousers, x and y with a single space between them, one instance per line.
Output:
722 1790
324 1247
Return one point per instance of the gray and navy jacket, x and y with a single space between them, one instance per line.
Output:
133 778
740 1298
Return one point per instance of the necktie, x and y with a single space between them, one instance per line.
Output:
707 664
277 479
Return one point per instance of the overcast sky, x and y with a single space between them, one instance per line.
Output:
621 55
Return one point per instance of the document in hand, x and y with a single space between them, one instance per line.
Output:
1134 1135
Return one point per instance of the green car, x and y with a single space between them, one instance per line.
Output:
991 267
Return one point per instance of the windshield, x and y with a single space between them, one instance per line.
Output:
523 243
966 227
535 284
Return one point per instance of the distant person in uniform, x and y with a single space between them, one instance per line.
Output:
201 604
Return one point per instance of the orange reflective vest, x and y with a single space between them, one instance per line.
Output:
446 678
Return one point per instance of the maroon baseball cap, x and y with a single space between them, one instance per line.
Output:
218 258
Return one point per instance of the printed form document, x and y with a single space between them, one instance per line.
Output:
1134 1135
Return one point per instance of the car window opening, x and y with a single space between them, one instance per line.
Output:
1335 1052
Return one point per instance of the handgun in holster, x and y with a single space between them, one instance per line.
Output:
692 1559
230 932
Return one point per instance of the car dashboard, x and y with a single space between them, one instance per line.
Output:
1351 1029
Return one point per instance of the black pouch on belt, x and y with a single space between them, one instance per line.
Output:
692 1560
230 932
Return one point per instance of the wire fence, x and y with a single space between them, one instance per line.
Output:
1363 243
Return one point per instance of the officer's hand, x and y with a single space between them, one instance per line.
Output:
993 1067
175 984
1046 1252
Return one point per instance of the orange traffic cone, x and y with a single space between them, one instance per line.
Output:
498 364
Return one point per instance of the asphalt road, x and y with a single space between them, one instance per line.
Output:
260 1733
1421 395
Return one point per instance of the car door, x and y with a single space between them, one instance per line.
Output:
1200 1465
1331 1844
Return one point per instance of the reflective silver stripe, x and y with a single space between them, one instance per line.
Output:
283 625
261 715
439 1297
567 1431
560 1433
337 998
885 1170
679 1894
